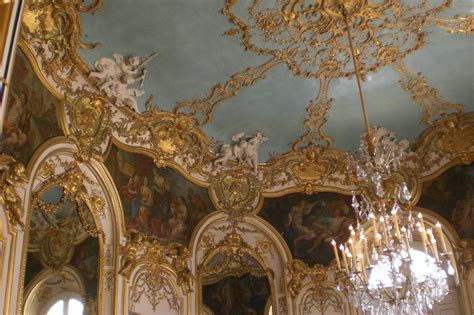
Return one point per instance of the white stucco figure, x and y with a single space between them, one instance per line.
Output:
117 73
243 150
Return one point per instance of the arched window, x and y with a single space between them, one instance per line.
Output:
65 304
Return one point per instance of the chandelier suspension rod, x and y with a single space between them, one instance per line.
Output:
359 83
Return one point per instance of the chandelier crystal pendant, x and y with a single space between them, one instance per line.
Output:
388 273
403 268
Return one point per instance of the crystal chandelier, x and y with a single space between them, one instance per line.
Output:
387 273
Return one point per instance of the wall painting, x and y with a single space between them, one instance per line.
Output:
157 201
32 113
451 195
309 223
245 295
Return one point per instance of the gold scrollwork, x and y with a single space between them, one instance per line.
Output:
307 35
237 191
299 271
169 135
450 139
90 124
203 109
321 293
12 176
417 86
155 287
308 168
72 182
57 25
232 256
456 25
139 250
318 110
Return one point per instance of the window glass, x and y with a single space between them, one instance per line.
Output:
57 308
75 307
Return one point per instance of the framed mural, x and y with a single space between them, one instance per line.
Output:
451 195
309 223
31 115
245 295
157 201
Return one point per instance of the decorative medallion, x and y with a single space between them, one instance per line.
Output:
56 249
236 191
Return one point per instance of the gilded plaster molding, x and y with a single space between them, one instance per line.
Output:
176 139
12 177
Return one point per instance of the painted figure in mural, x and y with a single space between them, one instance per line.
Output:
131 193
160 183
157 202
244 295
451 195
463 214
117 73
244 150
198 204
177 222
309 223
13 137
146 202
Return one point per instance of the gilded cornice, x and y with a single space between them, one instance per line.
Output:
51 32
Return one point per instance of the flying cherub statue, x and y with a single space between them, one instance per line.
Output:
117 73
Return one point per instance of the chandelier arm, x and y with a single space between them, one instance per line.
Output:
359 83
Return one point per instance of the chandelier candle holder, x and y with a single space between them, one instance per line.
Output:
387 273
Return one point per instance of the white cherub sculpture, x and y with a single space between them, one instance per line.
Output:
243 150
115 75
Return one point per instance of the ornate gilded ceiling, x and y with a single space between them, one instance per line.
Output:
133 127
241 66
175 86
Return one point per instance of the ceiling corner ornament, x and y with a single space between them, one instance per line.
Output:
12 177
152 257
55 26
237 191
90 124
306 35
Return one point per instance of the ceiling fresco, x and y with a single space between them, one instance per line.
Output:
211 48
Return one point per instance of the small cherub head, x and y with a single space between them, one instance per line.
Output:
133 61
